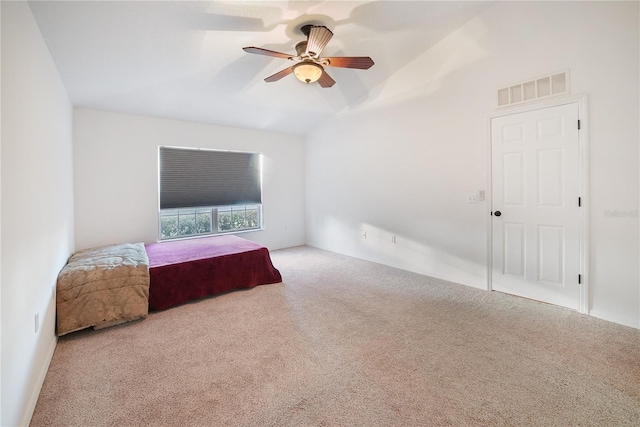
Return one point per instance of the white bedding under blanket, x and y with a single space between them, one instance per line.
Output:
103 287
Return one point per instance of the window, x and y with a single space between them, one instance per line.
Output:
211 220
206 192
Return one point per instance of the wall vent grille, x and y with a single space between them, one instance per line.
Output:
534 89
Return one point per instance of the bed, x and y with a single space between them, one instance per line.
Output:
186 270
102 287
109 285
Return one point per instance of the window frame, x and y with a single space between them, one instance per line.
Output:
214 223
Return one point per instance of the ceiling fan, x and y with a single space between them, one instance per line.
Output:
309 65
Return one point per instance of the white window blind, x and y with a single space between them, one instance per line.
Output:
196 177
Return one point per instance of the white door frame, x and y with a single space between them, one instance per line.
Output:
583 185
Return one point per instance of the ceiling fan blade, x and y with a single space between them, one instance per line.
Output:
267 52
317 40
325 80
359 62
280 74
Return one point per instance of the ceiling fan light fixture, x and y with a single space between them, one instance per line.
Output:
308 67
308 72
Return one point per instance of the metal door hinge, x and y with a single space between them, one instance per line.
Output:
578 124
579 279
579 201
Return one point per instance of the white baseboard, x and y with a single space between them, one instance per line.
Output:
615 319
35 393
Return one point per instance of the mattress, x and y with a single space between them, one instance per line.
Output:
187 270
102 287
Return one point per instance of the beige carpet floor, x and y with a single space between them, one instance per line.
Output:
345 342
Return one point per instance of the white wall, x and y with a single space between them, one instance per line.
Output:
403 162
37 207
116 176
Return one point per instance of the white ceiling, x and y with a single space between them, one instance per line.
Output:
184 60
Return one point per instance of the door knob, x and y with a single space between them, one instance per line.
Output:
497 213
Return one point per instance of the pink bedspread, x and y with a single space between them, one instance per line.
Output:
185 270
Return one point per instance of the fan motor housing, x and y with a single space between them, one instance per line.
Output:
306 29
301 48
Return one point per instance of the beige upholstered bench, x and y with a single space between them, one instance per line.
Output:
103 287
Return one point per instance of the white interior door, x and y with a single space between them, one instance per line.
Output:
536 217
